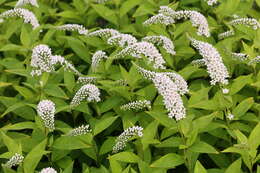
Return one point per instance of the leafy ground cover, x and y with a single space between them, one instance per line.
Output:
129 86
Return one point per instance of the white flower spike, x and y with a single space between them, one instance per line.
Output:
251 22
48 170
125 137
24 2
104 33
87 92
81 130
73 27
122 40
46 110
15 160
96 58
137 105
27 16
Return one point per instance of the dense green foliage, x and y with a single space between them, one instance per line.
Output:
206 140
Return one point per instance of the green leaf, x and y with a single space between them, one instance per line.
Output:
239 83
170 160
69 80
234 167
25 36
71 143
128 5
163 119
54 90
203 147
202 122
69 169
12 108
110 103
127 157
243 107
199 168
20 126
25 92
34 156
11 144
103 124
254 137
106 13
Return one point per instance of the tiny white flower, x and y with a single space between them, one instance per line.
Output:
211 2
46 110
225 91
24 2
86 80
27 16
81 130
125 137
122 40
15 160
48 170
230 116
159 19
73 27
137 105
104 33
87 92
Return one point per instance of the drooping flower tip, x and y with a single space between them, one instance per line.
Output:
255 60
159 19
240 56
226 34
211 2
251 22
86 80
24 2
163 41
46 110
122 40
87 92
125 137
137 105
48 170
104 33
73 27
27 16
81 130
148 50
15 160
96 59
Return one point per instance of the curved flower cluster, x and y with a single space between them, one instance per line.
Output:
181 84
125 136
246 21
89 92
254 60
146 49
81 130
215 67
104 33
198 62
73 27
46 110
159 19
101 1
122 40
137 105
171 98
86 80
240 56
196 18
226 34
24 2
15 160
43 61
163 41
48 170
96 58
27 16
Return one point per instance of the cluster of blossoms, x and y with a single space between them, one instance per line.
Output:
122 40
96 58
101 1
15 160
121 82
254 60
24 2
123 138
246 21
240 56
146 49
168 16
104 33
163 41
46 110
181 84
198 62
81 130
89 92
171 98
215 67
27 16
226 34
86 80
43 61
137 105
73 27
48 170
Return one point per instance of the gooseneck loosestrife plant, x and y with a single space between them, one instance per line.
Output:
129 86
